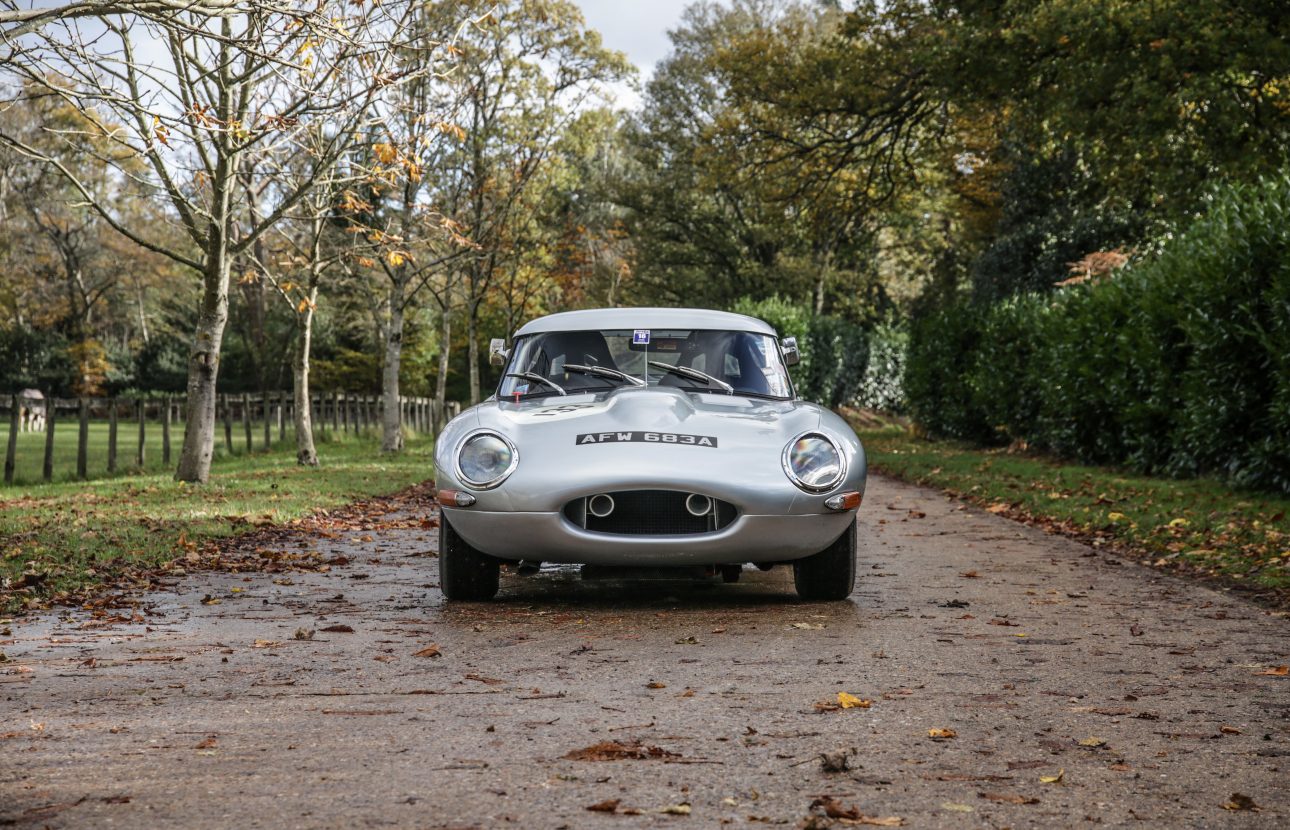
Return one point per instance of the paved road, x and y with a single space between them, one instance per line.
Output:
1044 658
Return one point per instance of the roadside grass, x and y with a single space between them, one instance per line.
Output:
57 540
1201 526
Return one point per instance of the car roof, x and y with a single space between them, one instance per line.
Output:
645 318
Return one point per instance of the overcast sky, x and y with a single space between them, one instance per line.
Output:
637 27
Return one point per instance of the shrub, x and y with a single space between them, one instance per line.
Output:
835 352
1180 364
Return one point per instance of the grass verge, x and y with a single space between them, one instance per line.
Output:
59 542
1199 526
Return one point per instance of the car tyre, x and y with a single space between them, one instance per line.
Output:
465 573
829 575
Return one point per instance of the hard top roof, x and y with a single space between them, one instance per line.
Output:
644 318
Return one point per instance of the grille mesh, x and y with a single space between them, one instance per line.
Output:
650 513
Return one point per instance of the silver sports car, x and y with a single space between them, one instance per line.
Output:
648 437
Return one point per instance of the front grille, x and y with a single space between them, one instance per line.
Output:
650 513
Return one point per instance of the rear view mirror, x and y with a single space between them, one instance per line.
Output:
792 356
497 353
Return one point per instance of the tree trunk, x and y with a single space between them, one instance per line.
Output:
391 425
203 366
306 454
472 349
441 382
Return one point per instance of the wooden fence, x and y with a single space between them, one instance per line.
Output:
264 415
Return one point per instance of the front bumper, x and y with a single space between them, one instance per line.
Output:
550 537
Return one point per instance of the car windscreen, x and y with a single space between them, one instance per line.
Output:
748 362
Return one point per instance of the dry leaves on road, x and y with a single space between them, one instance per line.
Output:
941 734
1276 671
851 814
1007 798
619 751
1239 801
338 629
847 701
431 650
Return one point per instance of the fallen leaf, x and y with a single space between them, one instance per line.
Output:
851 815
941 734
687 641
1007 798
847 701
210 742
265 644
479 678
1053 779
1278 671
304 634
431 650
970 575
609 805
997 507
618 751
837 761
1229 730
681 809
1239 801
655 685
1092 742
805 626
338 629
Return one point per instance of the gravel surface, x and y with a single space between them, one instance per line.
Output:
1152 701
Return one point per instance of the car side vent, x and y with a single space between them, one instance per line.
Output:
650 513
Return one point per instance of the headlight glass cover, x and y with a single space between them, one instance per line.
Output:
813 462
486 460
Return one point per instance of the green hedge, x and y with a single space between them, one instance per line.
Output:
842 362
1178 365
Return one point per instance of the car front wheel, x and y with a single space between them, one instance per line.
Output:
831 573
464 573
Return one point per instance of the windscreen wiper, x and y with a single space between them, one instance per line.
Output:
692 374
603 372
536 378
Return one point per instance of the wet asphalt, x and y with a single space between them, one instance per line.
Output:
1070 688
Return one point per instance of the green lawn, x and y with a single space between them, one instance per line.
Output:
30 457
1198 525
72 535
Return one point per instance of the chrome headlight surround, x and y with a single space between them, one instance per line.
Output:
495 480
786 460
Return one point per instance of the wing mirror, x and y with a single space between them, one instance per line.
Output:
792 356
497 352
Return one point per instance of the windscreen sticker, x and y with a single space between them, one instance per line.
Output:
640 337
646 438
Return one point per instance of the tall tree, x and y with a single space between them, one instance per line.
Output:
267 81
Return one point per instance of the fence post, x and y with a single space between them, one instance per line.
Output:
11 452
344 412
111 436
282 413
335 412
51 414
83 440
166 414
228 424
141 457
265 407
246 419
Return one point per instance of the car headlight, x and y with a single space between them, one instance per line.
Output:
486 459
814 463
